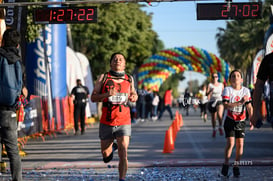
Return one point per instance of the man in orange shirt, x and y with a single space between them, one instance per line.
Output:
115 88
168 98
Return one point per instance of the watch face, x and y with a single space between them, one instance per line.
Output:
65 15
213 11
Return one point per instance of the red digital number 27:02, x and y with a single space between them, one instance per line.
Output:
245 11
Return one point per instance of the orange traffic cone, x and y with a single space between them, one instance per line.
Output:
177 121
181 120
169 142
174 129
176 114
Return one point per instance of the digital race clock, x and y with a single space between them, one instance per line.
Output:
65 15
213 11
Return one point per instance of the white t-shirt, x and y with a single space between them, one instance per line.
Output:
231 95
216 91
204 97
155 100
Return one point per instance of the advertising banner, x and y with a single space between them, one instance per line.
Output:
36 66
32 118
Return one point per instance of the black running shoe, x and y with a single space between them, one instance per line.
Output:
224 170
236 171
110 157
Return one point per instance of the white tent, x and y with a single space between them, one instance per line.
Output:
88 79
77 67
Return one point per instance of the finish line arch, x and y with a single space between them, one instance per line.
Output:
157 68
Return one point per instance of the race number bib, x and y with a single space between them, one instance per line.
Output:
238 109
119 98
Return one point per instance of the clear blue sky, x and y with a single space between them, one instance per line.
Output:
177 25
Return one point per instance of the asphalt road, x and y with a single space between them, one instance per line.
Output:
193 144
64 154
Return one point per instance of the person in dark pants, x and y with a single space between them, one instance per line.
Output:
168 99
80 94
149 104
8 121
267 100
265 73
141 104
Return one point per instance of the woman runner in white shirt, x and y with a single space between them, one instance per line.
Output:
215 105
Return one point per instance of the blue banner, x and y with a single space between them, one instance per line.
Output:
36 68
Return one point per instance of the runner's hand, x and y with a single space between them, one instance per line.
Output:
244 99
112 92
133 98
255 118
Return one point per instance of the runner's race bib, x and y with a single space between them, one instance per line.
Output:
119 98
237 110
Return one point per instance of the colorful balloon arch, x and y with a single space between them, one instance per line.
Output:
157 68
